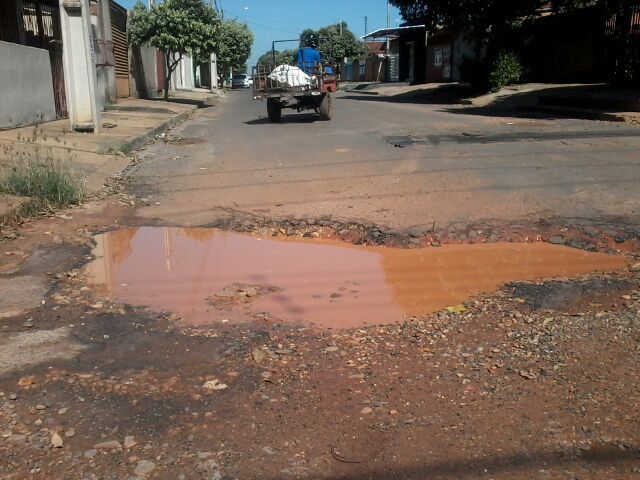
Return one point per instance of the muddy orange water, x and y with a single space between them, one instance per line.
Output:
323 283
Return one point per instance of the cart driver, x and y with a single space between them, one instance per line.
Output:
309 57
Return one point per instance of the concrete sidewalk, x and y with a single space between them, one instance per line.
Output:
577 100
580 100
127 125
399 88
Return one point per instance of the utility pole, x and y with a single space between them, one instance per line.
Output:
213 58
388 24
388 14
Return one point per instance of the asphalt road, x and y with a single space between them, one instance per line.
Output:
535 381
394 164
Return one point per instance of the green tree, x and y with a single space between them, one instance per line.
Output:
489 23
234 44
176 28
488 20
608 7
286 57
334 42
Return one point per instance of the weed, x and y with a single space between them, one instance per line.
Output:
505 70
51 183
488 75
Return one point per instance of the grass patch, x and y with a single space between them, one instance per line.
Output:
51 183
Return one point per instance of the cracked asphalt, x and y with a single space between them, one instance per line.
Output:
536 380
481 167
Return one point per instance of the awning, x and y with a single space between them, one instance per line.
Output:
392 32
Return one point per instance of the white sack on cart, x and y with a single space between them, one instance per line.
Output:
290 76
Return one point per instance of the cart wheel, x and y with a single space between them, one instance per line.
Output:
274 110
325 107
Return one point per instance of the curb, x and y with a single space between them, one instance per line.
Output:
582 113
132 144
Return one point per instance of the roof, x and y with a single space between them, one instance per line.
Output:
375 47
388 32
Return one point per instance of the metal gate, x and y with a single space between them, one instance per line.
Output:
57 74
51 23
622 44
120 48
393 67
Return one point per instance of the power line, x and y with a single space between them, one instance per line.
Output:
238 14
251 22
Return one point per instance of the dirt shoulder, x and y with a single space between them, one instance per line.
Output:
535 380
506 389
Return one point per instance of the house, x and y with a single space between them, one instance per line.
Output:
410 44
32 74
379 63
427 56
446 53
58 61
68 58
583 45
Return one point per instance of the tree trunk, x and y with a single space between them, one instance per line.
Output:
167 77
170 68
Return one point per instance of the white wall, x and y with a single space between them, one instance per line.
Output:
26 88
187 72
144 72
106 74
79 66
102 87
183 78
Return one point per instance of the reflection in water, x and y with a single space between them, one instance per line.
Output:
326 283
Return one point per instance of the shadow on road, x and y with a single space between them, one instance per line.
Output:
518 465
200 103
435 96
292 118
592 102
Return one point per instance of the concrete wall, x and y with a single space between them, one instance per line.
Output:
183 78
26 87
102 86
188 76
565 48
462 48
439 58
105 73
79 66
144 74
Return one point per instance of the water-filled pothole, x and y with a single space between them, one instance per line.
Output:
208 275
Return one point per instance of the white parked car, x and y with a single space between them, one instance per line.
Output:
240 81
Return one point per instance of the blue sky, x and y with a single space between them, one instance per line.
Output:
283 19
